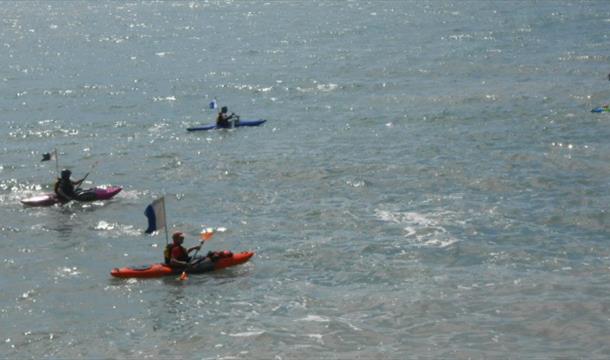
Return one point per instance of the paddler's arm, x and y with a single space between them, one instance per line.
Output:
78 182
198 247
81 180
177 263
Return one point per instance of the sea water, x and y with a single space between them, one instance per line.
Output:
430 182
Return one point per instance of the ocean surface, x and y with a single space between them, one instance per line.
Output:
430 182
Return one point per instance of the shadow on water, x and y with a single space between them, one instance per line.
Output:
178 304
174 309
64 230
68 218
63 222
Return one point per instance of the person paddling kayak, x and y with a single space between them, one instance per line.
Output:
65 188
222 121
176 255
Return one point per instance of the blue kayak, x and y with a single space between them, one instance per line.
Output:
601 109
236 124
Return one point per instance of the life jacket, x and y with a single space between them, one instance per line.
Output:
223 120
167 254
66 187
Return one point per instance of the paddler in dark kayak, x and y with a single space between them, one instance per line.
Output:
65 188
176 255
222 121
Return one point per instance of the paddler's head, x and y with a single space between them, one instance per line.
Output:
224 109
178 237
65 174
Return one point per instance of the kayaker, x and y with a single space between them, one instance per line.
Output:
175 254
223 118
65 188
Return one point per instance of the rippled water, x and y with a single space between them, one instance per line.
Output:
430 182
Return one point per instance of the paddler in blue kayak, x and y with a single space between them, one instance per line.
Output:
176 255
65 188
222 121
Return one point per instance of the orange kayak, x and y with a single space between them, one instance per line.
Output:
200 265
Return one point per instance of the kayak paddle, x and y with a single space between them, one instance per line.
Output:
205 236
80 182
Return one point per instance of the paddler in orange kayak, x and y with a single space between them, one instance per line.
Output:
176 255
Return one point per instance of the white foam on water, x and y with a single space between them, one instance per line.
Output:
64 272
421 229
317 337
115 229
314 318
248 333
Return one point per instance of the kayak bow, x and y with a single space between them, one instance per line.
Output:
601 109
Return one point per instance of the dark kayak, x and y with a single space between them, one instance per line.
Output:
237 124
93 194
201 265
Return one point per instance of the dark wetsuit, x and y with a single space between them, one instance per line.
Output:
65 189
223 120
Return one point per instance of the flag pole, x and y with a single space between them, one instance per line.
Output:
56 161
165 214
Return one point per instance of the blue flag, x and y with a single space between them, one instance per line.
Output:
155 213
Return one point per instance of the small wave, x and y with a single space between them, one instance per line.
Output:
156 128
15 186
327 87
317 337
356 183
65 272
422 230
116 229
29 295
18 191
25 133
319 87
102 225
133 194
166 98
248 333
575 57
314 318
